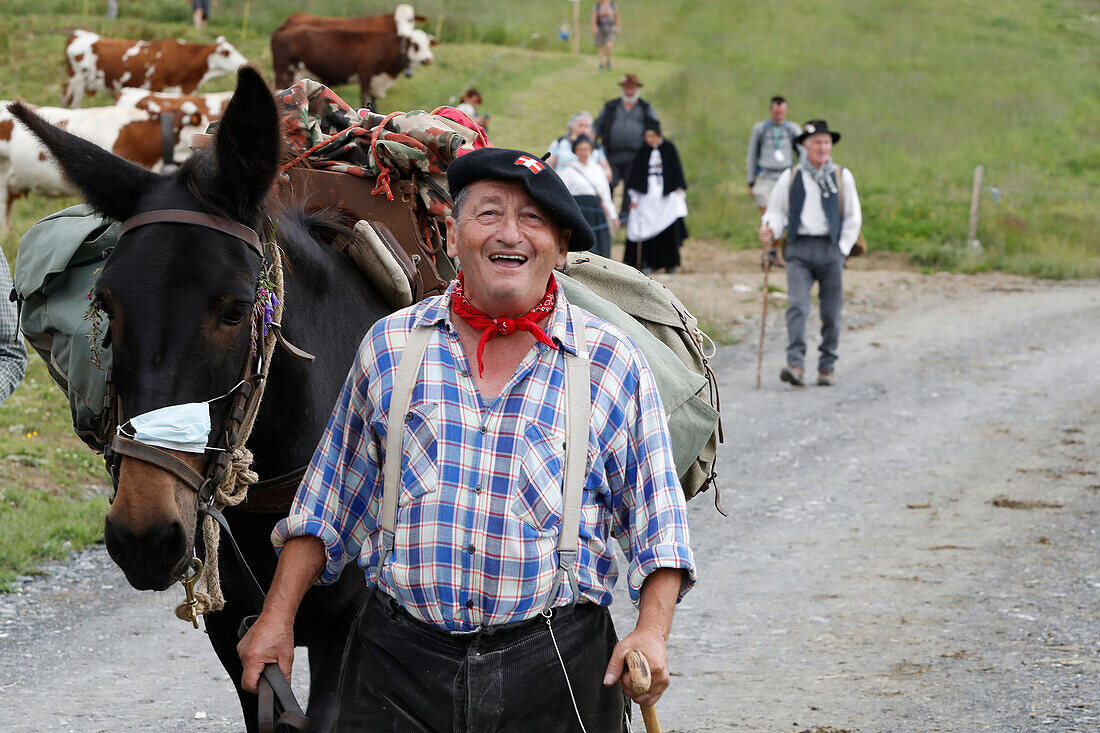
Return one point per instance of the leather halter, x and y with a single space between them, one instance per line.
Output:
270 495
195 218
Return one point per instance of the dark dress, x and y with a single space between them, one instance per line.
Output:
661 249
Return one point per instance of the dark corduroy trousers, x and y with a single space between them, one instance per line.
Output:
399 674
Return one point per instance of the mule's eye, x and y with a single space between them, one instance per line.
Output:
236 313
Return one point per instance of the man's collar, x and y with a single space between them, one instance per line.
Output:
560 329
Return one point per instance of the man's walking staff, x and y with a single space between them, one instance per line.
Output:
763 320
639 683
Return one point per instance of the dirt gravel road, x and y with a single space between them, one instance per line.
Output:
914 549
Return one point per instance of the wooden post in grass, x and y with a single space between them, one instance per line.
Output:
576 27
975 203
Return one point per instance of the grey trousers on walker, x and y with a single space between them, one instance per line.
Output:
810 259
402 675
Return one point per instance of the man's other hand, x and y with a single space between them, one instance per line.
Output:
268 641
651 644
765 234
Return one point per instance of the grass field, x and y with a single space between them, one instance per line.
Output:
922 91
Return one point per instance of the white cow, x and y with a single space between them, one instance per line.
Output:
26 166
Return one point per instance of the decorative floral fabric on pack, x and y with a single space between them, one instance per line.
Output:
324 130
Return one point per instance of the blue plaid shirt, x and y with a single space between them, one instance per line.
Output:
13 354
480 503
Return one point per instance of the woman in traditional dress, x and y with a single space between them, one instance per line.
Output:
655 229
585 179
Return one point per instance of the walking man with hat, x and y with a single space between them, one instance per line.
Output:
817 204
489 447
621 127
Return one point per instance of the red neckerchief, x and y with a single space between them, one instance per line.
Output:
505 326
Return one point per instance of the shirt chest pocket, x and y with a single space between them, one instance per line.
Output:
420 453
538 502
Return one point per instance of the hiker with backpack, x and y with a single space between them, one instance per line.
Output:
490 446
772 150
816 202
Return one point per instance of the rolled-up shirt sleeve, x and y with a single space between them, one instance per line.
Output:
651 516
334 500
852 214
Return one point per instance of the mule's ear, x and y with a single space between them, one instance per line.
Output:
111 185
247 145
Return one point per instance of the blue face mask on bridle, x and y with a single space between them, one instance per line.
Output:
183 427
176 427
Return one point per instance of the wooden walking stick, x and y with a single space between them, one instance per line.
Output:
763 320
639 683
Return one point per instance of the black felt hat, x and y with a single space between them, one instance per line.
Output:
539 181
815 126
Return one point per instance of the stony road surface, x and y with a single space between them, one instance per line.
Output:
914 549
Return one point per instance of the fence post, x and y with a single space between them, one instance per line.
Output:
576 27
975 203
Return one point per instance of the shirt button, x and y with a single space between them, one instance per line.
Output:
470 548
464 373
484 430
469 604
477 489
408 417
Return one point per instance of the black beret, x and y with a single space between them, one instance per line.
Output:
539 180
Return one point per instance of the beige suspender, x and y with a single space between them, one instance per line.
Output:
400 398
578 395
578 417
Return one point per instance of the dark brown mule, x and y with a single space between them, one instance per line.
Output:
180 298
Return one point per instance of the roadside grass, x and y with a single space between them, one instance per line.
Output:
52 488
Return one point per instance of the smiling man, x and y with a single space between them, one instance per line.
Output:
491 572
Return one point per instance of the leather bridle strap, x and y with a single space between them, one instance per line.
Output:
162 459
195 218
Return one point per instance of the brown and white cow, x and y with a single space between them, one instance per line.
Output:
336 56
402 21
372 50
134 134
211 106
98 64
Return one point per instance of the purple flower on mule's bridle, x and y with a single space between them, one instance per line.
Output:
263 311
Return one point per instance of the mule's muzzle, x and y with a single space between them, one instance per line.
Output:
153 559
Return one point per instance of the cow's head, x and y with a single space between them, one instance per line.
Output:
189 121
225 59
418 51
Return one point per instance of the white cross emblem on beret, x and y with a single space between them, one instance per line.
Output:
533 164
